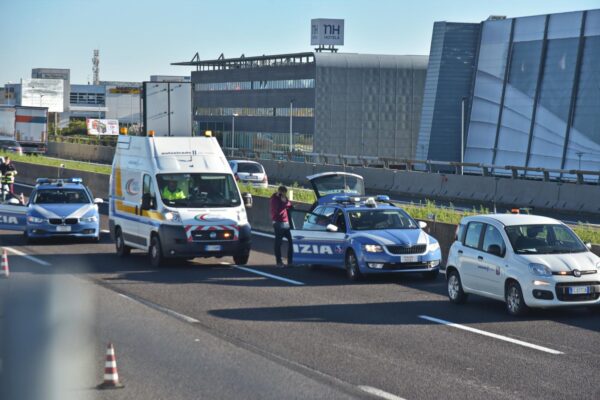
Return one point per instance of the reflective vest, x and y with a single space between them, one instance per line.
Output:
176 195
8 178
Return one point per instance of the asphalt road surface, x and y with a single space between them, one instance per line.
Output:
208 329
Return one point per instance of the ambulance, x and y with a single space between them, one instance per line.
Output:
176 198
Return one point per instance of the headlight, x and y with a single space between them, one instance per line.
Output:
172 216
36 220
373 248
433 246
93 218
540 270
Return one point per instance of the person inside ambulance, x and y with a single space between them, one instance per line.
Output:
171 192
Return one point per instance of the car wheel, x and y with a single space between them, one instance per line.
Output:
155 252
456 293
28 239
515 303
122 249
352 269
431 275
241 258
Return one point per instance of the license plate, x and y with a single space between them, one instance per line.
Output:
579 290
63 228
212 247
409 259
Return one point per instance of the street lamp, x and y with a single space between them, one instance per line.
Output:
462 134
291 135
233 131
579 154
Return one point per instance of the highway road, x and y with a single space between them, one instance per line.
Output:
208 329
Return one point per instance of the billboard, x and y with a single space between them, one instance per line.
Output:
168 108
326 32
43 93
102 126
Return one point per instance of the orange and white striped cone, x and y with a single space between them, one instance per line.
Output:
4 272
111 376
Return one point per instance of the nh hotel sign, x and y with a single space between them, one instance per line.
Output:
326 32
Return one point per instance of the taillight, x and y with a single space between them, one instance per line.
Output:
264 180
237 178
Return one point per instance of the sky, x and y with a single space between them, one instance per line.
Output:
139 38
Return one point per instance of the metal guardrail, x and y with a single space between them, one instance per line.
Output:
432 166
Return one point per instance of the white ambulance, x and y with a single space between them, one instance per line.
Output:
176 197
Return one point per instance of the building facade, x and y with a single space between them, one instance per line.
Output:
536 97
447 90
337 103
533 94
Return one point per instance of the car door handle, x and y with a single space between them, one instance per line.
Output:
480 258
460 252
299 237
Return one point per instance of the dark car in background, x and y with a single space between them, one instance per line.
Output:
11 145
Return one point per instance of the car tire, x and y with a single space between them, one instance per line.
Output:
513 297
456 294
431 275
155 252
241 258
28 239
122 249
352 269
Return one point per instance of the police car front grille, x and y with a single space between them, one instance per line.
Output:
418 249
60 221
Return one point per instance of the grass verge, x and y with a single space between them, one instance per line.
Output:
54 162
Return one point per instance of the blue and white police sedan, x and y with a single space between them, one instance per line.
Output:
363 235
56 208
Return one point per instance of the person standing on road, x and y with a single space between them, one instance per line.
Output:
279 206
8 172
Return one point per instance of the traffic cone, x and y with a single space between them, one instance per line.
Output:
5 272
111 376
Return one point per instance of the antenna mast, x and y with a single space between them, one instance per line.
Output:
96 67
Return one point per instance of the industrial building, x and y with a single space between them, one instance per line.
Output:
532 98
354 104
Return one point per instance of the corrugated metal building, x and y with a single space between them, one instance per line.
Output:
355 104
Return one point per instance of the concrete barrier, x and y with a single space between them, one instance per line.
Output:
81 152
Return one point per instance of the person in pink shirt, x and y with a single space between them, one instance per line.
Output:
279 206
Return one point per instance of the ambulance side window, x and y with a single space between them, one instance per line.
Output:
148 194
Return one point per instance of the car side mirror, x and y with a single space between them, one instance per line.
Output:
588 245
422 224
146 201
495 250
247 197
98 200
331 228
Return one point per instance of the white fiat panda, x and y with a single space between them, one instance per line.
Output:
523 260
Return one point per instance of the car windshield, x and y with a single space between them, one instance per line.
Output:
249 168
543 239
61 196
368 220
198 190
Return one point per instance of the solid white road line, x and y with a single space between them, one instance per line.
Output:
30 258
279 278
165 310
379 393
492 335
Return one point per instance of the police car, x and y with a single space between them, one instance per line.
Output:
57 207
363 235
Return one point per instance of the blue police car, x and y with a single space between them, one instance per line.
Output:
56 208
363 235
